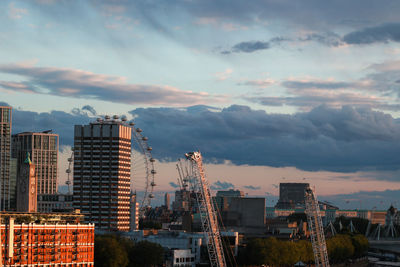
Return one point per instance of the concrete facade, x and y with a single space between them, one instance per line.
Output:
5 156
291 195
102 174
43 148
245 215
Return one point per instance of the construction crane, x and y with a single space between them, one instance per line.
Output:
316 229
194 173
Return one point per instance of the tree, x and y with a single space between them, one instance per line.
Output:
360 244
108 252
146 254
275 252
340 248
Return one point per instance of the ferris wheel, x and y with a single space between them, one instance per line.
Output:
142 168
69 171
142 165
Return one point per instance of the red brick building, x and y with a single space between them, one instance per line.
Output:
34 239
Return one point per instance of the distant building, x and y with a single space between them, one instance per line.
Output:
222 198
245 215
230 193
55 203
102 174
167 199
58 240
5 156
182 201
291 195
26 186
43 148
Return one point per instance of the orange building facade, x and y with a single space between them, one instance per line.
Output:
59 241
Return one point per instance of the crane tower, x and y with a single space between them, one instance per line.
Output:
316 229
194 173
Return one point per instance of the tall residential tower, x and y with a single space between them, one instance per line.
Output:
102 160
5 155
43 148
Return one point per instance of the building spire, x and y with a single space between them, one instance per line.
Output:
28 158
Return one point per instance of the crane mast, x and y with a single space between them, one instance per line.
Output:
206 208
316 229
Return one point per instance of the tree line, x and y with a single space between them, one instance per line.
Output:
274 252
115 251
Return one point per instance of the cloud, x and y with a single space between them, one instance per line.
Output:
307 100
258 83
174 185
251 187
344 139
380 200
61 122
83 84
218 185
16 13
325 38
378 89
221 76
90 109
312 84
248 47
378 34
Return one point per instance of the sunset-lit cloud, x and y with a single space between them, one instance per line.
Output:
84 84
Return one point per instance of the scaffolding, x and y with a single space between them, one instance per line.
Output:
195 174
316 229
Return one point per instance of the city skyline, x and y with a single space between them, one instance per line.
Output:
270 92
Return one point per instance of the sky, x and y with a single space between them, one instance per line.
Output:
269 91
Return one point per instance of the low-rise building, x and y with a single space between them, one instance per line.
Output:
181 258
36 239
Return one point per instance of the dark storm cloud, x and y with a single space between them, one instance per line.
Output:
380 200
345 139
60 122
379 34
219 185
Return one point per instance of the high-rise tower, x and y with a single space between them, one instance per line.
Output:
5 155
26 187
102 158
43 148
167 199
